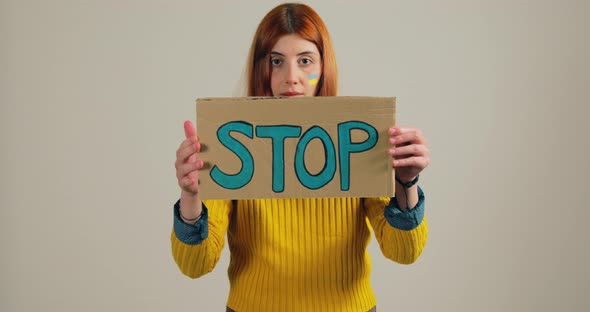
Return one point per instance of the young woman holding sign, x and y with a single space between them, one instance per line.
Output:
304 254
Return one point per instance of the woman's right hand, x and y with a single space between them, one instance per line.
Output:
187 162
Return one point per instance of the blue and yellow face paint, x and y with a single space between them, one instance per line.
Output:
312 79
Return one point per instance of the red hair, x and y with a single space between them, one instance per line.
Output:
290 18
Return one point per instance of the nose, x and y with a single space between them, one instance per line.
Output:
292 77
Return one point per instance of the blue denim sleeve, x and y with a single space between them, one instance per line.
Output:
188 233
405 220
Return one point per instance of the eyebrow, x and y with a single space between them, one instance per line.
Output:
298 54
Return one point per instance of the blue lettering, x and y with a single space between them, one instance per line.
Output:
278 134
309 180
346 146
243 177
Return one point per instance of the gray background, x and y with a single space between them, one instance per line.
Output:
94 94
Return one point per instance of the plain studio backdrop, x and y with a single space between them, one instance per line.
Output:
94 94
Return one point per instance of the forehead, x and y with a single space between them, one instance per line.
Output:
293 44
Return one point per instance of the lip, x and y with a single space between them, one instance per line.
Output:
291 93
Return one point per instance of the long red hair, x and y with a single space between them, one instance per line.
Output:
290 18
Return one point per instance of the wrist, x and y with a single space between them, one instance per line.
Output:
190 207
407 183
190 220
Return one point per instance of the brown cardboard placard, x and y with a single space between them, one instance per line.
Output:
295 147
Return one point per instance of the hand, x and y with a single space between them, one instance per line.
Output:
187 164
409 151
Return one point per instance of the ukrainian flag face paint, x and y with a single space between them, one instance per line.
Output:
312 79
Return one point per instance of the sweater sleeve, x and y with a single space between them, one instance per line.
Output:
197 248
401 234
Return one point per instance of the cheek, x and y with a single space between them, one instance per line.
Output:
312 80
313 77
274 84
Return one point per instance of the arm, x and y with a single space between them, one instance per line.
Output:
199 228
196 248
398 222
401 235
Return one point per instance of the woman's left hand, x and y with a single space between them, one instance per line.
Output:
409 151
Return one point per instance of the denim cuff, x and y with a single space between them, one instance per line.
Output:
405 220
191 234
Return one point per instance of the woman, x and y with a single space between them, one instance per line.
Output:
298 254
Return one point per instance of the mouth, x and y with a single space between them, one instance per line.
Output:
291 93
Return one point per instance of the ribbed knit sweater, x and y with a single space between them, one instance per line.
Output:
299 254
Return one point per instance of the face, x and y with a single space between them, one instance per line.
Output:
295 67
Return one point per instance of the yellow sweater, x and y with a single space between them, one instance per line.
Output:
298 254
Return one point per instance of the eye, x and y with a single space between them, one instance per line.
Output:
275 62
305 61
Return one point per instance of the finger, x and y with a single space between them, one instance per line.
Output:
188 168
393 130
414 137
398 130
401 129
408 150
188 142
187 182
189 129
420 162
185 152
192 158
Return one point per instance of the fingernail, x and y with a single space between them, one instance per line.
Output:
391 140
391 151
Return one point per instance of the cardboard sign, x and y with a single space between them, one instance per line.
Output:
295 147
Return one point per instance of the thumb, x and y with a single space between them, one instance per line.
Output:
189 129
